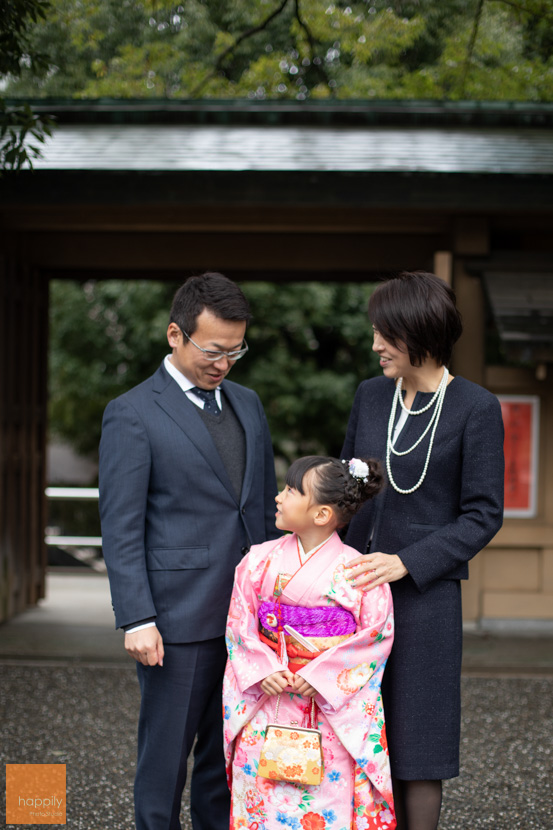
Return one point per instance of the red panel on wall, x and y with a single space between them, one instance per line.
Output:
520 415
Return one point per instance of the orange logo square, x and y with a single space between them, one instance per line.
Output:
35 794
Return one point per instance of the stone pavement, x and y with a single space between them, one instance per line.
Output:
74 622
68 694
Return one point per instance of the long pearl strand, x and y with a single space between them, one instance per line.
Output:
438 399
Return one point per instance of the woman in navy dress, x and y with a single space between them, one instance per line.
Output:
442 441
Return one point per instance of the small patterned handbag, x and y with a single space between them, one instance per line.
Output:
291 752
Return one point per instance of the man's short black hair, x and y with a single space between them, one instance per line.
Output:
211 291
418 309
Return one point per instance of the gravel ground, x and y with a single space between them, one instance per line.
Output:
85 717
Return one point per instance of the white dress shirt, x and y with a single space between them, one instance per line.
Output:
187 385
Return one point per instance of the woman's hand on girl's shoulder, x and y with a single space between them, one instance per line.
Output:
366 572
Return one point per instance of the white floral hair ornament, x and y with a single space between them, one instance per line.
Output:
357 468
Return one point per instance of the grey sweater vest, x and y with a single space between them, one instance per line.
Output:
230 441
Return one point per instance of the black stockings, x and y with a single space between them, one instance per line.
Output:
418 804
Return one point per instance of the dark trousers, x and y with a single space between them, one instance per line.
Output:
181 701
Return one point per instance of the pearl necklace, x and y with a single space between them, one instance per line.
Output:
438 399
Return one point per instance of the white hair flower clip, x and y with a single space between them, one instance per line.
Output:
357 468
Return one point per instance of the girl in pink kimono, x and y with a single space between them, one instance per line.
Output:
345 637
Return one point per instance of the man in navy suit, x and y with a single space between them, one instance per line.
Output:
187 484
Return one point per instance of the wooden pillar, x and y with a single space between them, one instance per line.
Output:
23 397
443 265
469 352
471 238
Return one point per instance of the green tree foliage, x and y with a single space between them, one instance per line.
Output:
16 18
17 53
299 49
310 346
105 337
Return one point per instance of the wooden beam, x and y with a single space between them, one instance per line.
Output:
236 218
300 252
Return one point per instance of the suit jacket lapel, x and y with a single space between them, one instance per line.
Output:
175 403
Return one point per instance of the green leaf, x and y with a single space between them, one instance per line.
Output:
408 49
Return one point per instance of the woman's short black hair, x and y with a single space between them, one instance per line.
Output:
418 309
211 291
333 484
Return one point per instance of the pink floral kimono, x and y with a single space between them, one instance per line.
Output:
356 792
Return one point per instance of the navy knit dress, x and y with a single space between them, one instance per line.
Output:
435 531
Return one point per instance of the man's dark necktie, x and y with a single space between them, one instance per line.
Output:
209 399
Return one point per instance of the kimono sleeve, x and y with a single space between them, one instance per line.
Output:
357 664
250 660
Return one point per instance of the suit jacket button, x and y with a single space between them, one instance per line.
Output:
245 550
243 510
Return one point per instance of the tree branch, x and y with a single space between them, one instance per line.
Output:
319 68
230 49
518 7
472 43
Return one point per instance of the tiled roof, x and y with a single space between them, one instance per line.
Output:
169 147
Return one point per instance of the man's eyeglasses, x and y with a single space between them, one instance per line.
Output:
213 356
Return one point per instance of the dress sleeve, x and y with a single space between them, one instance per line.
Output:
250 660
480 501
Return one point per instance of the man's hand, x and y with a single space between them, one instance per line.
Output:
146 646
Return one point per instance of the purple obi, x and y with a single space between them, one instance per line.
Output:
321 621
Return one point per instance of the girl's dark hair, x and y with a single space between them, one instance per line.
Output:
334 485
418 309
211 291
